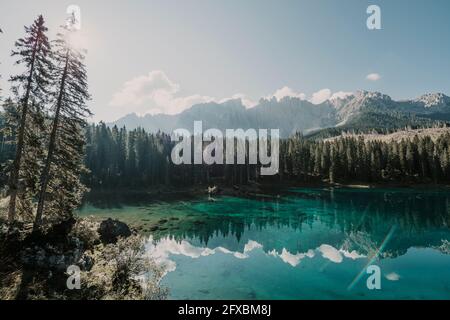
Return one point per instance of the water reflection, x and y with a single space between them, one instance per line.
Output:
297 220
346 219
162 250
304 243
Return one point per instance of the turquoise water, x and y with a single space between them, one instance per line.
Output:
300 244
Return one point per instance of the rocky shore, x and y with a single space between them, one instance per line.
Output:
106 257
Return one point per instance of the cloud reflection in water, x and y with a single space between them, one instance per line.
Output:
162 249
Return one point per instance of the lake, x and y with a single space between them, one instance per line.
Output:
307 243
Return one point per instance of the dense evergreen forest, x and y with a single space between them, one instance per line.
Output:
121 159
117 158
136 159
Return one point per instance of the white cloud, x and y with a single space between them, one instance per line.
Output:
287 92
292 259
327 251
352 255
393 276
252 245
330 253
373 77
154 93
340 95
143 88
162 250
316 98
246 101
320 96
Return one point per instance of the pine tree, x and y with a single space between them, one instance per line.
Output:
30 87
8 122
60 185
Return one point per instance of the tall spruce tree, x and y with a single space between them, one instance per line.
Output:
61 189
30 87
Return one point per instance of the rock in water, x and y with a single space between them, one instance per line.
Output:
110 230
213 190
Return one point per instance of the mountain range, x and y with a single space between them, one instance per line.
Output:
361 110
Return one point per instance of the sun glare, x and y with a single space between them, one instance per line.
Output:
77 40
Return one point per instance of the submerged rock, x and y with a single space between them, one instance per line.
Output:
110 230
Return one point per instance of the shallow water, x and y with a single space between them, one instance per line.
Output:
302 244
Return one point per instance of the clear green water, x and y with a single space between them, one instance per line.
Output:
301 244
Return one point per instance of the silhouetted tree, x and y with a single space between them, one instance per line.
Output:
30 88
60 187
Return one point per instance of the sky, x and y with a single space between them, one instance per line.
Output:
162 56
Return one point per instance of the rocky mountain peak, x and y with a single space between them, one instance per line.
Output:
430 100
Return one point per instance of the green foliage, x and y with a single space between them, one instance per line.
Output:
42 128
61 190
354 159
117 159
30 89
7 142
123 272
120 159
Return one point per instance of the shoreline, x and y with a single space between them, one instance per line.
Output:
265 188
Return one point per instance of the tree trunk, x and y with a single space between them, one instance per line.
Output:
14 176
45 177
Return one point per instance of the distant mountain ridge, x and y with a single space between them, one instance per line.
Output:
291 114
